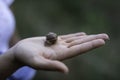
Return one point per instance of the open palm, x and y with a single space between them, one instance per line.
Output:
34 52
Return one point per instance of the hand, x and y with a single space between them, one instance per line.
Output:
33 51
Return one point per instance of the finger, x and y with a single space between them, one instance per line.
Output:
74 38
72 35
88 38
51 65
104 36
85 47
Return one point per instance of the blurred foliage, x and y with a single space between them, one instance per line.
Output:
38 17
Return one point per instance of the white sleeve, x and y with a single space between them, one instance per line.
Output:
7 25
8 2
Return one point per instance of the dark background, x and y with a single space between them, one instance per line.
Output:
38 17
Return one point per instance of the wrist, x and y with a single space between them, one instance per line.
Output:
13 60
8 64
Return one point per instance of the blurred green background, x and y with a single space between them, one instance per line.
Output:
38 17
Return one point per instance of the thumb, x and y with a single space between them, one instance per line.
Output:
51 65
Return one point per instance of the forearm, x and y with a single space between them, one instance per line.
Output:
8 64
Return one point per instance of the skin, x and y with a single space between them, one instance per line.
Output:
32 52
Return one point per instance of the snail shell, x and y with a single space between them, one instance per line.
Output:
51 38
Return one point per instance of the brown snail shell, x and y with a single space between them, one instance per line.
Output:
51 38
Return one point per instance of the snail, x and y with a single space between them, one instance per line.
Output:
51 38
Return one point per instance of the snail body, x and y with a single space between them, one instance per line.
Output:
51 38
